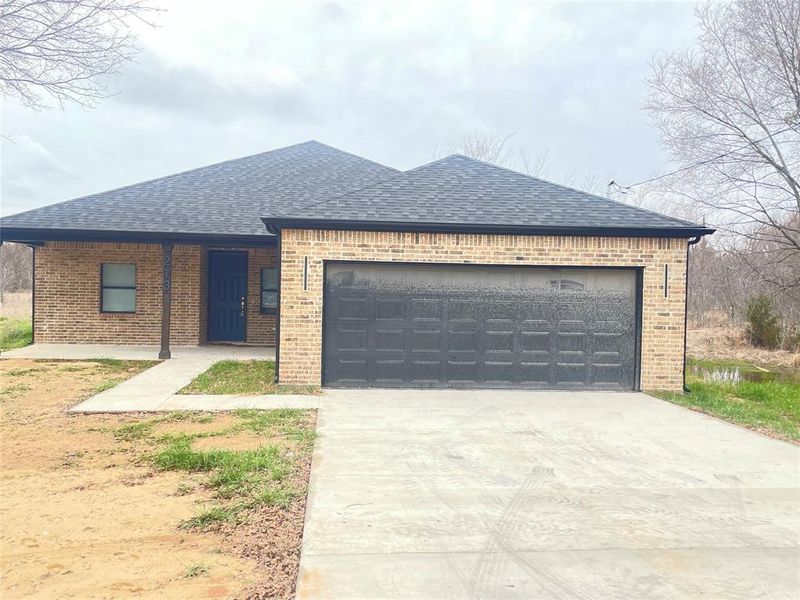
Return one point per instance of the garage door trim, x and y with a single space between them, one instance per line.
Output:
638 298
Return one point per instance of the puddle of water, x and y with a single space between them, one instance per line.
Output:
733 375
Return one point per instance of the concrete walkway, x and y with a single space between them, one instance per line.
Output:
155 388
89 351
499 494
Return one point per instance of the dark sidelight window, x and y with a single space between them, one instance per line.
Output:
269 290
118 288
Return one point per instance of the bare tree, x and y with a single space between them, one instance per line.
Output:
533 165
487 147
495 149
60 49
15 268
729 112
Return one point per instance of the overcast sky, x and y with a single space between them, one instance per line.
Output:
398 82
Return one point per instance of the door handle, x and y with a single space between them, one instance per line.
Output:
243 305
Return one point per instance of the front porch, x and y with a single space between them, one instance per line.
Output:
135 295
212 352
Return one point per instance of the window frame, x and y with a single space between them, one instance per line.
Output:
261 289
103 287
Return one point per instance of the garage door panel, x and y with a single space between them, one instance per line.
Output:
501 313
466 326
571 341
498 341
425 371
465 340
498 371
572 373
390 309
606 373
353 308
608 342
534 341
390 339
425 340
352 339
353 371
389 371
427 309
462 371
536 374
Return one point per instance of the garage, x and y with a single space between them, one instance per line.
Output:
464 326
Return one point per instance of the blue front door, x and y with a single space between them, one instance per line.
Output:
227 296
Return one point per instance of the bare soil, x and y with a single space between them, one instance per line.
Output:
83 515
722 342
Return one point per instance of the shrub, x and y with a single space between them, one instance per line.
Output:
791 338
763 326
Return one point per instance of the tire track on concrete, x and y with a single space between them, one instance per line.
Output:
498 550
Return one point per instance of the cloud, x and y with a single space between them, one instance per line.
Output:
395 82
156 85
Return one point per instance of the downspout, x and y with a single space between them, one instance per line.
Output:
692 242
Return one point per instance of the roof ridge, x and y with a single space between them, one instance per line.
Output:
367 186
192 170
353 154
573 189
357 189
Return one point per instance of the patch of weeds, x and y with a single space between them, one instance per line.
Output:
192 416
208 518
196 571
243 377
111 363
14 391
134 431
73 368
281 497
21 372
184 489
288 421
232 470
105 385
15 333
241 480
71 459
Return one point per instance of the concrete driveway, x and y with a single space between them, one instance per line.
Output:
499 494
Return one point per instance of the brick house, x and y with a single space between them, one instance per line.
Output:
455 274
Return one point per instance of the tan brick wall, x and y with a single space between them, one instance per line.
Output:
301 310
67 301
260 327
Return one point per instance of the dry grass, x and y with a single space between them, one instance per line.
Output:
721 343
16 305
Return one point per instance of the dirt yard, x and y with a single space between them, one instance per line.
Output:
85 512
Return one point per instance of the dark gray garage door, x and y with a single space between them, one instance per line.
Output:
475 327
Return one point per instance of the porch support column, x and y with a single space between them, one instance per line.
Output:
166 300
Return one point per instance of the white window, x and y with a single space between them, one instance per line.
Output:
118 288
269 290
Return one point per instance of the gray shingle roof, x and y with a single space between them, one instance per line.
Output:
467 193
315 185
227 198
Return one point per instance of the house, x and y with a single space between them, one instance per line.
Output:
455 274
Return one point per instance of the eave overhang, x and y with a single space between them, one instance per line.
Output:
32 235
274 225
